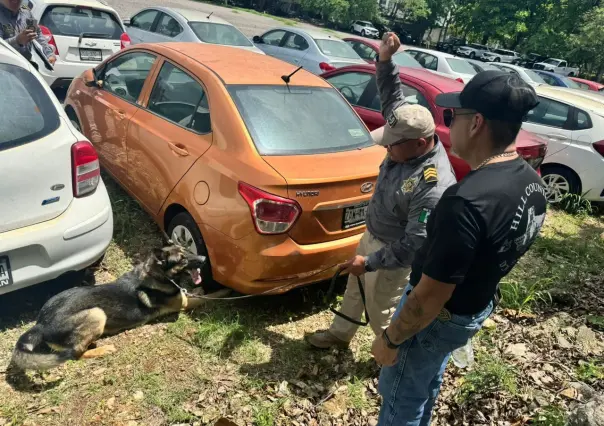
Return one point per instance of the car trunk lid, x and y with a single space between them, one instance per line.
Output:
332 189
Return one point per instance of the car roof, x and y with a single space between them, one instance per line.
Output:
193 15
83 3
553 74
315 34
431 52
237 66
512 66
570 96
8 55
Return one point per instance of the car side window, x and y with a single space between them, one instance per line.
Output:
428 61
273 38
168 26
125 76
562 64
550 80
549 113
412 96
296 42
583 121
583 85
413 53
144 20
364 51
352 85
179 98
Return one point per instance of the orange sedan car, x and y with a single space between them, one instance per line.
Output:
270 180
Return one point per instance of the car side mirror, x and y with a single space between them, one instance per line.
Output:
257 40
126 22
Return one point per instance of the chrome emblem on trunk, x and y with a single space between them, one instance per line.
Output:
367 187
57 187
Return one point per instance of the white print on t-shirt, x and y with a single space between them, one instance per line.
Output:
519 244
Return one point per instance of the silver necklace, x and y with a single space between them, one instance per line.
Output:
503 154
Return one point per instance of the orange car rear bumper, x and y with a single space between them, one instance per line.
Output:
256 263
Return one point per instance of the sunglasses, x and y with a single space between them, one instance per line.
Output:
402 141
449 116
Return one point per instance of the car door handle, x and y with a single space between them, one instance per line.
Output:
179 149
121 114
557 137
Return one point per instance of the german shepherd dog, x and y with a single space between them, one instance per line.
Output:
70 322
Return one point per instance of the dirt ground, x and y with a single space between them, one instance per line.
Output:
536 359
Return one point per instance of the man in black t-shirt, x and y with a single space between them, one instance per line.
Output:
478 231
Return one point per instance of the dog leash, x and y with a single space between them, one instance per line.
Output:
185 292
340 314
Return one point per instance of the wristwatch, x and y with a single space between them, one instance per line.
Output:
368 267
389 342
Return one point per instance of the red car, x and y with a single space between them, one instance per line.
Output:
357 85
588 84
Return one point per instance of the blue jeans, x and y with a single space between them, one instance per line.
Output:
410 387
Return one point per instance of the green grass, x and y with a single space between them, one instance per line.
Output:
490 374
590 372
15 414
265 413
216 335
356 394
551 415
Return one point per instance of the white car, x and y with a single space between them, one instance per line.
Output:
365 29
83 33
500 55
444 63
559 66
55 215
164 24
574 128
531 77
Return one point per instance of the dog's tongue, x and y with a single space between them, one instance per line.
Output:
196 276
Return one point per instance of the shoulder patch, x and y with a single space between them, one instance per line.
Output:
424 215
409 185
430 173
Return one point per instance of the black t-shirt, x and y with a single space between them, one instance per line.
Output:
479 230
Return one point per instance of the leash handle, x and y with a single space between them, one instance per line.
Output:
340 314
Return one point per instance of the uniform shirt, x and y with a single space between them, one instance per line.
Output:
405 193
479 230
12 24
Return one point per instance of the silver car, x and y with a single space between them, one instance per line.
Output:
164 24
316 51
472 50
530 76
500 55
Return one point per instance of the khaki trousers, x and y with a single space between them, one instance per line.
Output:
383 290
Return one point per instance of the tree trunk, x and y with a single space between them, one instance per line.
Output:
599 74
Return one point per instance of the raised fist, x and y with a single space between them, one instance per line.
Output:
389 46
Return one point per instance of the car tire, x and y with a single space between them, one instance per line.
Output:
184 231
497 59
572 74
559 181
363 33
352 30
472 55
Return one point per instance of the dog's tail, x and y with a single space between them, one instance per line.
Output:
26 355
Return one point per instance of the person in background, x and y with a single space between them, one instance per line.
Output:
411 180
478 231
19 28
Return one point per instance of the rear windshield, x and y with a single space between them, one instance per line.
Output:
403 59
534 76
461 66
325 121
336 48
77 20
569 82
219 34
26 111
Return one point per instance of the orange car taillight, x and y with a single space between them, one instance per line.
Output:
271 214
85 169
125 41
50 39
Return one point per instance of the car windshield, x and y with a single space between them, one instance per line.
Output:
219 34
336 48
366 24
552 62
403 59
461 66
26 111
569 82
76 20
534 76
326 122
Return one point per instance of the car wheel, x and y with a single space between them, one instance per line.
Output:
363 33
472 55
572 74
352 30
497 59
184 231
559 181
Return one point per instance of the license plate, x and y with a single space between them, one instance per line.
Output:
6 278
91 55
354 215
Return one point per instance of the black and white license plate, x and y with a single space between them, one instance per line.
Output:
354 215
91 55
6 278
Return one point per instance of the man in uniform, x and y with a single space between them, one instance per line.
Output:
411 180
18 28
479 230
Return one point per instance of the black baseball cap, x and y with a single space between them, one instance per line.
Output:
497 95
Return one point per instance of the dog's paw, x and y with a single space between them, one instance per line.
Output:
100 351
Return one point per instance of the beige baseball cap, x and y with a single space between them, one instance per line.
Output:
405 122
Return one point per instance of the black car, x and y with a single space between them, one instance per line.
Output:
528 60
381 28
450 45
405 36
